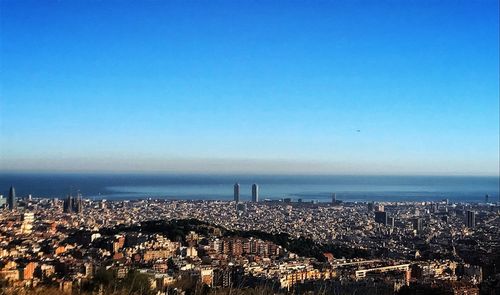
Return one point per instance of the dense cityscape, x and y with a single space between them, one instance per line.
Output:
161 246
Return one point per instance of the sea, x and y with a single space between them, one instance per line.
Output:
273 187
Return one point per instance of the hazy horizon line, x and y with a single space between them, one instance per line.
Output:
141 164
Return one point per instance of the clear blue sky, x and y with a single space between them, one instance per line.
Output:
250 86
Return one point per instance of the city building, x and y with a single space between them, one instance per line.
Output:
470 219
255 193
11 200
68 204
390 221
237 192
28 220
418 224
381 217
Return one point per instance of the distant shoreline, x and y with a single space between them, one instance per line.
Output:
219 187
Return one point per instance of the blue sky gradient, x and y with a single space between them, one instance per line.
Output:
250 86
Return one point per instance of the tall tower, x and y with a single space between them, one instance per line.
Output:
471 219
11 200
68 204
486 198
418 224
78 204
237 192
255 193
334 198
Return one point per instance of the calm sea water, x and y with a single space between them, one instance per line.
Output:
220 187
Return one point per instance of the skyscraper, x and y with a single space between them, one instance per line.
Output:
381 217
11 201
471 219
334 198
486 198
418 224
237 192
68 204
255 193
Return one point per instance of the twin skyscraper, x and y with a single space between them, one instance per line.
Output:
255 192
